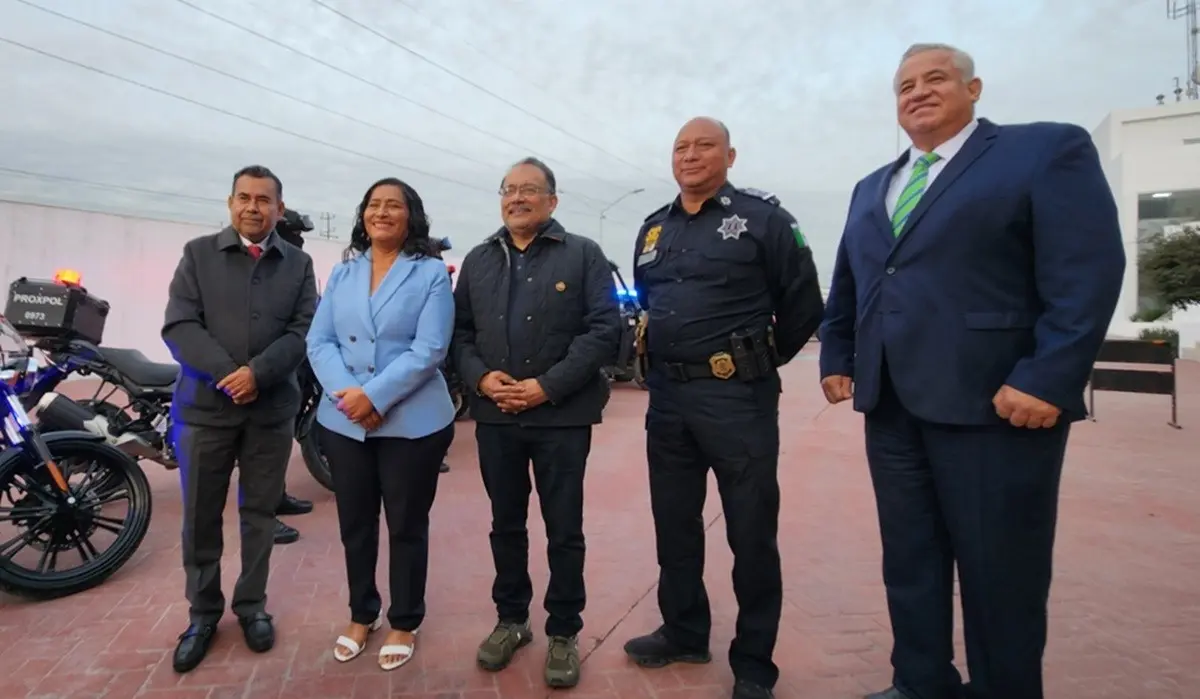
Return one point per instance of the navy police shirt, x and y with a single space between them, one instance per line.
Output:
739 264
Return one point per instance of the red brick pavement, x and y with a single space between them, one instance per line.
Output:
1125 614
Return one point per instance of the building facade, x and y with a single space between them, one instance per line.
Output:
1151 157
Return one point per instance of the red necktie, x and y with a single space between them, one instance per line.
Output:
255 251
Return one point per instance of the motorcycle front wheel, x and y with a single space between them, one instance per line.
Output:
109 504
461 406
310 450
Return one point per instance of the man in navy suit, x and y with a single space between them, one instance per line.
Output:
973 286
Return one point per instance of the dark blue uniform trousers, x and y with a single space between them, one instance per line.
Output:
731 427
984 498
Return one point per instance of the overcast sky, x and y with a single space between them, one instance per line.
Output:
151 108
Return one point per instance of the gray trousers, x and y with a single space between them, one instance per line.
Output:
207 457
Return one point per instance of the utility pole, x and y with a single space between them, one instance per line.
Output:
328 229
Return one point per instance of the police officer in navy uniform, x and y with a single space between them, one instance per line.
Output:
732 294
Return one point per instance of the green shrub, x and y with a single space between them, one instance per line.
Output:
1162 334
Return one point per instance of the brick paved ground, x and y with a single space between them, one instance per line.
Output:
1125 614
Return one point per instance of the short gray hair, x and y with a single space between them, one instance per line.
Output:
961 60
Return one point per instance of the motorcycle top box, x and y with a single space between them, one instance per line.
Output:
58 309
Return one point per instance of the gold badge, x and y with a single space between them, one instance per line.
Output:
560 286
651 239
721 365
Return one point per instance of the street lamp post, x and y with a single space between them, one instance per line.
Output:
618 200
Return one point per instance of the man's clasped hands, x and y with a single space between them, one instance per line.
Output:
511 395
240 386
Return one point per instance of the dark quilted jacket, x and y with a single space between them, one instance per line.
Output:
576 333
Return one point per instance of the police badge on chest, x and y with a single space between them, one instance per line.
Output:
649 247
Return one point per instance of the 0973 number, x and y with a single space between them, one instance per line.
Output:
35 315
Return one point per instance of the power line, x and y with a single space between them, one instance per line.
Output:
265 88
250 120
106 185
497 61
251 83
382 88
479 87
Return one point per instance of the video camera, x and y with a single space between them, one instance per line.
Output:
442 245
293 226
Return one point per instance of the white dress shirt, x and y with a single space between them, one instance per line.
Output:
262 243
946 151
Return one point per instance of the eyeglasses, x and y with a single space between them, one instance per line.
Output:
525 190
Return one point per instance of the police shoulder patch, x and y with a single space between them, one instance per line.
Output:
760 194
657 211
798 235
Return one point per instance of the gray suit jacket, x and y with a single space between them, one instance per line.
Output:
225 311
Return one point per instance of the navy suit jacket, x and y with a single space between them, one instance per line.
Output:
1007 272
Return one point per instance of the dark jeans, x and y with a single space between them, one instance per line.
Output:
403 475
207 457
559 456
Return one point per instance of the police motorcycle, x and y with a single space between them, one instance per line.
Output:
66 323
74 508
306 434
626 368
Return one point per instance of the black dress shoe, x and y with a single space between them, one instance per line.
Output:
656 650
285 534
193 646
293 506
259 632
889 693
745 689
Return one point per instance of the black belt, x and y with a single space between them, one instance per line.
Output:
718 366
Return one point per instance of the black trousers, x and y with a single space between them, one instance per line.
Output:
984 498
559 457
402 474
207 457
731 427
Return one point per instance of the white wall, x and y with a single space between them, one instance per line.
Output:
1143 152
125 261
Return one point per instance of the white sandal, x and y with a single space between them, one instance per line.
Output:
351 645
404 652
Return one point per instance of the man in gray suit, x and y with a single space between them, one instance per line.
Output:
238 311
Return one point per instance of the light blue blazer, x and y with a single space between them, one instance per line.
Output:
390 343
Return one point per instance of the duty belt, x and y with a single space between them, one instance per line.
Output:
718 366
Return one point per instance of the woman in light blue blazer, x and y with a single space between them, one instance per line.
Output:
380 334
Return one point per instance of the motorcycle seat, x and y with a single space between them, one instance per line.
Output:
139 369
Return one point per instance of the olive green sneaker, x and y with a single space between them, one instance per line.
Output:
497 650
562 662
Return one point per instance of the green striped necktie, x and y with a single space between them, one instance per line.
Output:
912 191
